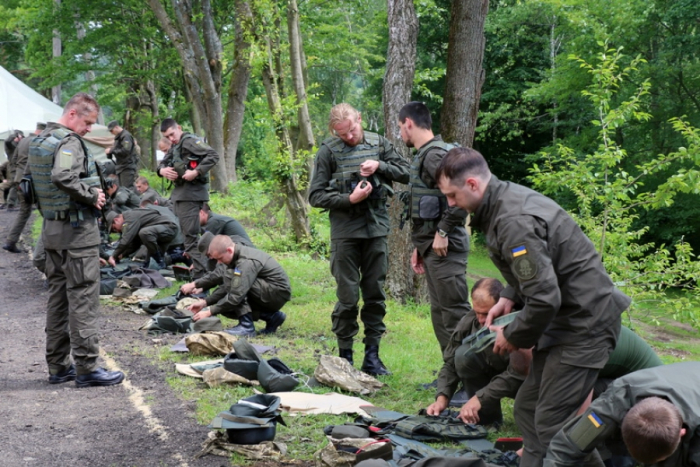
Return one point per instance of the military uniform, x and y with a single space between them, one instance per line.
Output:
191 152
148 227
253 282
71 238
570 307
223 225
358 231
487 375
678 383
5 186
20 159
152 195
445 275
123 200
127 158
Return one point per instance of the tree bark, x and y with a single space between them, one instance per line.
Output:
238 87
57 51
465 75
398 82
200 53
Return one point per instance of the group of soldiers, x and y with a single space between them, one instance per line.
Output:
577 376
580 379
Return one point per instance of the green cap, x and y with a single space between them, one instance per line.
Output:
109 217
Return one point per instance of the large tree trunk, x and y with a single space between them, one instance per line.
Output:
238 87
465 75
57 50
200 53
398 82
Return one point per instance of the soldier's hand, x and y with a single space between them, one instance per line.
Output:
100 199
361 192
169 173
190 175
202 314
469 413
188 288
501 346
440 245
502 307
198 305
417 262
112 262
108 151
103 262
438 406
367 168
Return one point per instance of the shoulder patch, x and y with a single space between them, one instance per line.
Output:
523 266
66 158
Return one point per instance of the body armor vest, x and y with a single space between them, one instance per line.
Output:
347 174
427 204
55 204
189 163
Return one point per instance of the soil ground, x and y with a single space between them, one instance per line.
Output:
139 423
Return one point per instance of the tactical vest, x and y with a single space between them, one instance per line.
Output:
55 204
347 174
427 204
181 165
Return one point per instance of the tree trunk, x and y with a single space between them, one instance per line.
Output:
200 53
238 87
398 82
465 75
57 50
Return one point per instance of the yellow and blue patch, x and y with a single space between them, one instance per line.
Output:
519 251
236 272
595 420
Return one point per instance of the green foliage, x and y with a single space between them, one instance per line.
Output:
604 190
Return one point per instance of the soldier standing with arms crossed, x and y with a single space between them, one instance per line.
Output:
67 185
352 179
187 165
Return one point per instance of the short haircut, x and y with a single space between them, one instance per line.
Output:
167 123
219 244
111 180
165 142
490 285
651 430
459 163
83 103
142 179
340 113
418 112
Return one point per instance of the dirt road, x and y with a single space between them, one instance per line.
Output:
139 423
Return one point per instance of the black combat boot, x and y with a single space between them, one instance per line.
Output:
372 365
245 327
11 247
346 354
158 258
274 320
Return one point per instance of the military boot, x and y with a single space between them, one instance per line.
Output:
158 258
372 365
274 320
11 247
346 354
245 327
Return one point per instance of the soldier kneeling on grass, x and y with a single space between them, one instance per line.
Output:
253 286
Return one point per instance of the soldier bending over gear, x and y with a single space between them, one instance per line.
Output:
119 198
654 410
252 286
143 226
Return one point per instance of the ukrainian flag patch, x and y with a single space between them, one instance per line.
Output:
519 251
236 272
595 420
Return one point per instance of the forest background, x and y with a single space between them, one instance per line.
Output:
594 103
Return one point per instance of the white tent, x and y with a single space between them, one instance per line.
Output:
21 107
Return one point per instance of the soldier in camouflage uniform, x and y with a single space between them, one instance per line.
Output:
352 178
125 151
570 306
187 165
67 186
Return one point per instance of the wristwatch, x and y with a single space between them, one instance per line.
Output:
442 233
